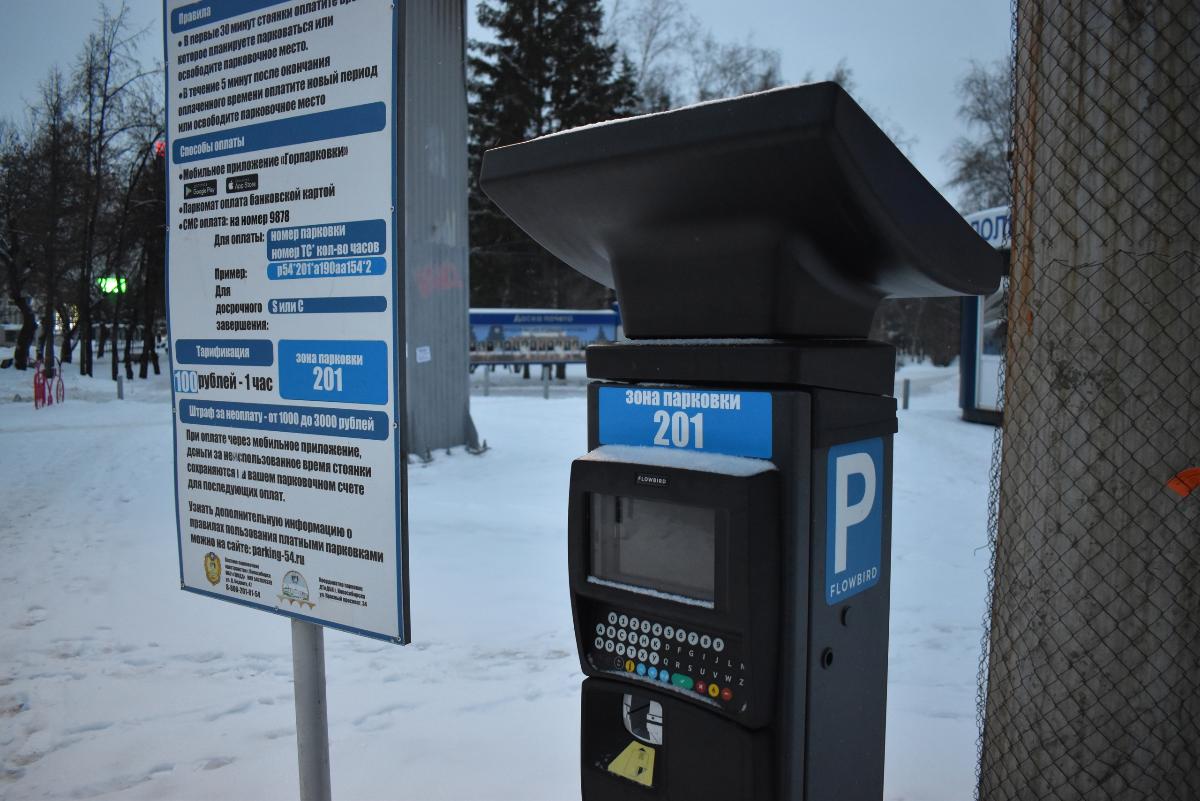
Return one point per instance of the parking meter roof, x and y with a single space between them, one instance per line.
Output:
786 213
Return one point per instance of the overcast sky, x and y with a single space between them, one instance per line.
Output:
906 57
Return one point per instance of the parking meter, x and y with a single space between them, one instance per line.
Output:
729 528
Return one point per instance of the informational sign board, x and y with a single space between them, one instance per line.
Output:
284 294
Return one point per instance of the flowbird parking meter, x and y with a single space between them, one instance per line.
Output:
730 525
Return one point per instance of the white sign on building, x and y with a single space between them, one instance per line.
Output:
284 304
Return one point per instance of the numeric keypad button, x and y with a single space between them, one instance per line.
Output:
656 629
692 638
612 617
705 641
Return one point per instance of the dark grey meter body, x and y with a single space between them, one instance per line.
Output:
735 605
675 586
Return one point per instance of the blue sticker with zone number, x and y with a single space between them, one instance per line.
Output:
705 420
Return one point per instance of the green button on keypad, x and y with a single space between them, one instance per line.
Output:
680 680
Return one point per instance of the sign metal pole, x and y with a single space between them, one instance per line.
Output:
312 717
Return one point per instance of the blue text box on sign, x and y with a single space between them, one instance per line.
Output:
327 268
339 240
708 421
227 352
333 371
356 423
854 514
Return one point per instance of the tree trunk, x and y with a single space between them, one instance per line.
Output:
67 348
148 339
46 342
116 334
85 342
25 335
128 352
1094 644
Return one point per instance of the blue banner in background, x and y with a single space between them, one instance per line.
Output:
332 124
704 420
333 371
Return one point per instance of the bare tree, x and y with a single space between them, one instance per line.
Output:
654 35
16 192
55 158
729 69
106 78
980 161
679 61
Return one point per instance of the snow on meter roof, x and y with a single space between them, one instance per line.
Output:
782 213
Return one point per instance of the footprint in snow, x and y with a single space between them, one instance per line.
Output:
13 704
33 616
236 709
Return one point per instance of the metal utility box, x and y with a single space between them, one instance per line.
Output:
730 527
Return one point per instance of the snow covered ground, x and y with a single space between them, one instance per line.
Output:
114 684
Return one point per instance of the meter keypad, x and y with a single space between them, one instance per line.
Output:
699 663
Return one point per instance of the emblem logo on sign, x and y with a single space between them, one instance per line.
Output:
212 568
295 590
854 528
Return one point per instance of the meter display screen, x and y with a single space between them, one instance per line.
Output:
660 546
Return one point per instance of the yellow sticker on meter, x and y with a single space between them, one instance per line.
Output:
636 762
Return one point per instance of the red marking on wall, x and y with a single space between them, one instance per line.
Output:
435 278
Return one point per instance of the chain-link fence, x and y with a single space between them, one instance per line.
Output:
1090 684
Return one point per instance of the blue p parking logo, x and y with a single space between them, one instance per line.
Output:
854 514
